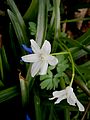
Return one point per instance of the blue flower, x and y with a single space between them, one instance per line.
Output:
29 50
27 117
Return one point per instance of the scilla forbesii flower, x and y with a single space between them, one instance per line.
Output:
68 94
41 58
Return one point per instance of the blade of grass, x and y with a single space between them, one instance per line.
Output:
20 20
8 93
31 12
17 28
37 107
56 8
42 22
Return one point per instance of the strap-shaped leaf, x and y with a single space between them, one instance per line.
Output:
18 18
8 93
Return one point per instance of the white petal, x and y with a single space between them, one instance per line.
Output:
35 68
58 94
71 98
30 58
71 101
34 46
60 99
52 60
43 69
81 107
61 95
46 47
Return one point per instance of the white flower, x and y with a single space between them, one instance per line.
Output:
41 58
69 95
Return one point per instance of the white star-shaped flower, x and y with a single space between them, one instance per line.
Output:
69 95
41 58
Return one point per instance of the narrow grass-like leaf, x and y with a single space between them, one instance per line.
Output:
85 38
4 65
4 58
42 22
31 12
17 28
66 114
8 93
24 90
37 107
56 8
17 14
12 42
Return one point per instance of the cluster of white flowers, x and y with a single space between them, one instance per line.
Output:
40 59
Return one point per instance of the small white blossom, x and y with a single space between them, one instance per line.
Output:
69 95
41 58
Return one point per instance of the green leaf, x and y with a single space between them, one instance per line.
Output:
62 64
32 28
17 28
18 19
85 38
8 93
51 81
32 11
42 22
85 70
37 107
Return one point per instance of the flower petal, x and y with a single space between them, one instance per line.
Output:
30 58
60 99
52 60
26 48
57 94
35 68
34 46
71 101
71 98
46 47
81 107
61 95
43 69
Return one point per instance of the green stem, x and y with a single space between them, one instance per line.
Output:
75 20
60 53
72 61
73 70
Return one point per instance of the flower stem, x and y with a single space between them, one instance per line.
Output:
72 62
73 70
60 53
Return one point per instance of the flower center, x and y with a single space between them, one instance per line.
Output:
42 56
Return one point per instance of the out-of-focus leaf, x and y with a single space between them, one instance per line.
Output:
1 84
78 53
62 64
1 68
85 38
85 70
8 93
17 28
32 28
31 12
18 18
37 107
